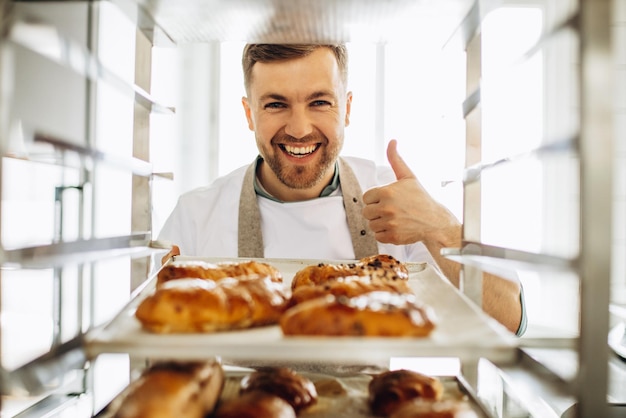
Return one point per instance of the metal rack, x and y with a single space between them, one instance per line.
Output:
50 123
583 384
590 145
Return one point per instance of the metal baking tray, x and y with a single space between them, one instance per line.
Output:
463 331
338 395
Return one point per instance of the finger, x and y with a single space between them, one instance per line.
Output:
371 196
370 212
400 168
173 252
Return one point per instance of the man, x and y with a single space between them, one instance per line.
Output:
299 199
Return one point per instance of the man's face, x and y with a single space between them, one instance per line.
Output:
298 110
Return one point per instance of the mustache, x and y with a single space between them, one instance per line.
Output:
283 138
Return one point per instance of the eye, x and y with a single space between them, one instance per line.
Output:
274 105
320 103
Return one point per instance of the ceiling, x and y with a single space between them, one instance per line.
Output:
432 22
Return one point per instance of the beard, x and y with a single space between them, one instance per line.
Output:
300 176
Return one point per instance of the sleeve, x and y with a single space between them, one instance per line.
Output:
524 320
179 229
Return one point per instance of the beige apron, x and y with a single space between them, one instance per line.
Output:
250 239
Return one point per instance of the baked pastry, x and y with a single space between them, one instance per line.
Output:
372 314
377 267
253 405
347 286
173 389
423 408
200 305
297 390
203 270
388 390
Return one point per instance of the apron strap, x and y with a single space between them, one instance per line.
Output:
363 240
250 237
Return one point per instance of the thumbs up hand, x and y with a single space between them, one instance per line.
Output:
403 212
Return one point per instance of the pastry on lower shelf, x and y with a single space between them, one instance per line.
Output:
203 270
377 267
199 305
423 408
255 405
173 389
299 391
387 391
382 314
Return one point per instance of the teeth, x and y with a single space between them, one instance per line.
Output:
299 150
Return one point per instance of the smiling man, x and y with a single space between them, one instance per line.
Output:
298 109
301 199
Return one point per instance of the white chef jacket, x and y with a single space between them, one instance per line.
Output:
204 222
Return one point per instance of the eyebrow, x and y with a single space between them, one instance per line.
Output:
273 96
312 96
321 93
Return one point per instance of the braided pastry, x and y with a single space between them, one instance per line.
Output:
371 314
199 305
378 267
204 270
347 286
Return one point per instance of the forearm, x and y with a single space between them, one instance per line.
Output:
501 300
501 297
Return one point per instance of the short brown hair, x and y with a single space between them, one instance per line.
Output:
253 53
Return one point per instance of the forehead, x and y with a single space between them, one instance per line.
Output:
316 71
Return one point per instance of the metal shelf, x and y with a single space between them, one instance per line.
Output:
44 148
470 26
46 41
505 261
80 251
568 145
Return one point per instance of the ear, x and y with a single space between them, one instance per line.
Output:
246 108
348 107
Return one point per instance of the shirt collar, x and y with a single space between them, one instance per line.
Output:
260 190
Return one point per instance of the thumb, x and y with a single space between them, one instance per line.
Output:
398 165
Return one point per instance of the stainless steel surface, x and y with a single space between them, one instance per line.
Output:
49 42
506 262
45 148
141 205
55 406
46 372
594 144
79 251
562 147
596 204
471 278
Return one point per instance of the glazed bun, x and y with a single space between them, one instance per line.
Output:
294 388
254 405
422 408
387 391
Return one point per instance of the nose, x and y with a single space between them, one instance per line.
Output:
299 123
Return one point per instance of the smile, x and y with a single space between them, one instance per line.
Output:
299 151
